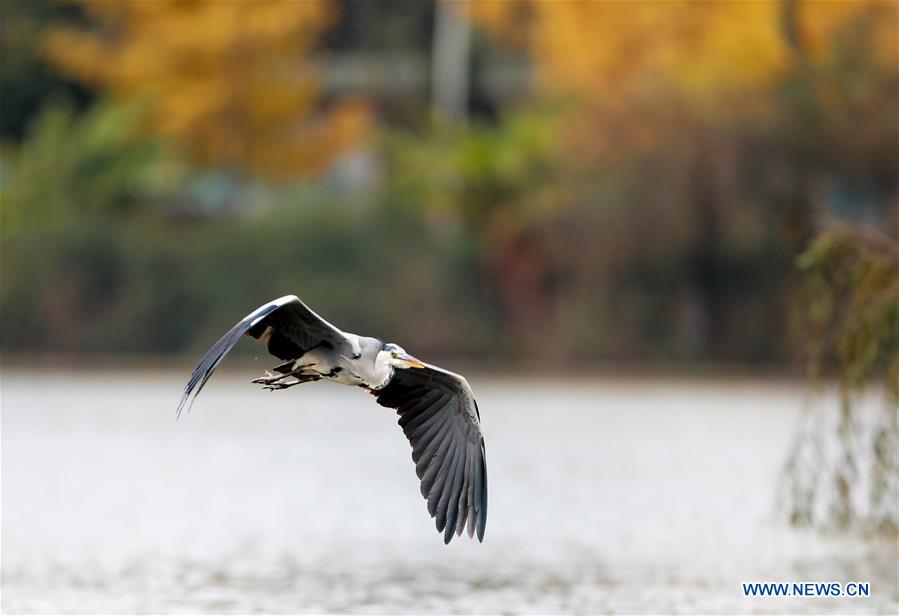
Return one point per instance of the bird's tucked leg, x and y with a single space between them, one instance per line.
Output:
285 384
268 378
274 382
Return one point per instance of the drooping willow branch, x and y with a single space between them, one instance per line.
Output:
850 322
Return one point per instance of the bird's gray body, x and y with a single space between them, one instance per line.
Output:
358 368
437 409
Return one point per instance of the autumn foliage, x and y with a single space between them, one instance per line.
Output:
602 51
230 82
642 193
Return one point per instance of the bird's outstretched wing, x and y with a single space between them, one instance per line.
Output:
440 418
289 327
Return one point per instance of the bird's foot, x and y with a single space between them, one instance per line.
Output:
280 385
274 382
268 378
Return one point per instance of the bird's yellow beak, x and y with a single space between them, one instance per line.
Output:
411 361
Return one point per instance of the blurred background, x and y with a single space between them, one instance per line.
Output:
675 215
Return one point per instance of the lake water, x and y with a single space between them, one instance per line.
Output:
630 496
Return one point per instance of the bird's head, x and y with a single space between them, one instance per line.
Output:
394 355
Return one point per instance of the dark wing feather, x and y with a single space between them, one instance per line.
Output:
296 325
440 418
294 330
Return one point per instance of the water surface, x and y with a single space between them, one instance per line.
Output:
605 496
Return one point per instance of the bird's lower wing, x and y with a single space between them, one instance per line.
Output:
439 416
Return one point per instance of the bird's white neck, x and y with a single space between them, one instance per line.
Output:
382 372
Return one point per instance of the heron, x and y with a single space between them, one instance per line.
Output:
437 409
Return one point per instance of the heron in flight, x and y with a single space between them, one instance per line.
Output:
437 410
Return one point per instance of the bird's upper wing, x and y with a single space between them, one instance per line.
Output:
295 329
440 418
